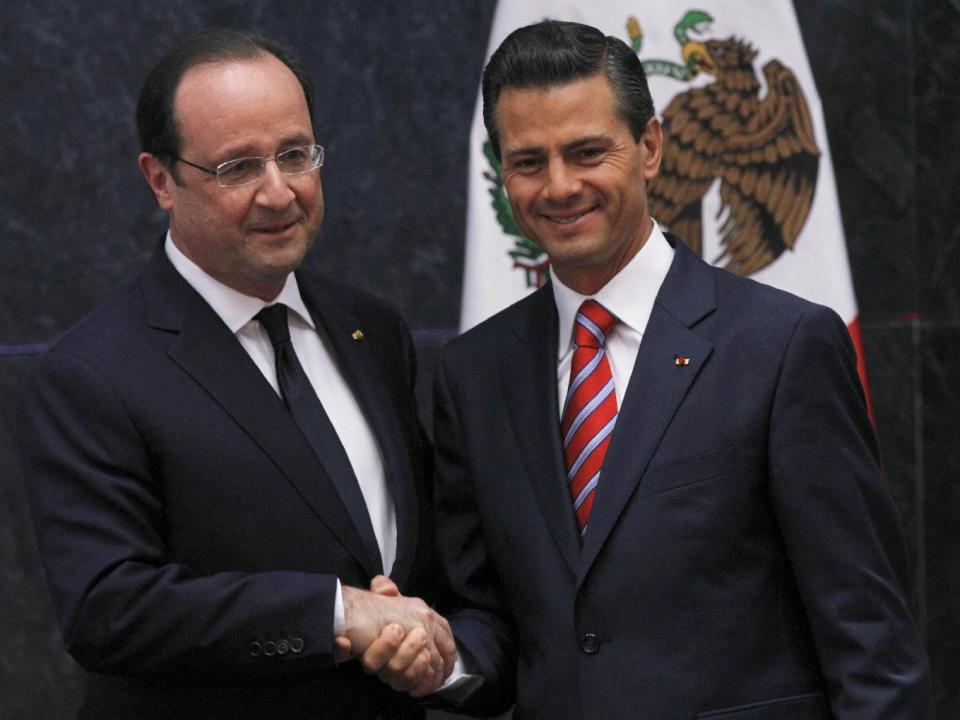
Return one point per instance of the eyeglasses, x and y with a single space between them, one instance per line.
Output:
246 170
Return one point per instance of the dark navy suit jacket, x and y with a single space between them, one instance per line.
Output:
743 558
191 538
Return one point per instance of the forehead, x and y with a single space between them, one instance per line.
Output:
240 103
545 115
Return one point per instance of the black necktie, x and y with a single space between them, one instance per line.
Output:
302 401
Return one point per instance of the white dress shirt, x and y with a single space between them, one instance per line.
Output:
630 296
316 356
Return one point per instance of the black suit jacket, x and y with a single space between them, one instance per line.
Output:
191 538
743 558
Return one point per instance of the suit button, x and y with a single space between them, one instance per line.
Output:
283 647
590 643
255 648
269 648
296 645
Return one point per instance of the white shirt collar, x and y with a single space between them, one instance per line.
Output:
232 306
630 294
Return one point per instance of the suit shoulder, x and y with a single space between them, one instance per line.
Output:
770 305
532 311
366 307
107 326
100 348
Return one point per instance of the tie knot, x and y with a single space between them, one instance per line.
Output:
594 323
274 321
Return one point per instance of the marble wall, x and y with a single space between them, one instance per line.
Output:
396 82
888 78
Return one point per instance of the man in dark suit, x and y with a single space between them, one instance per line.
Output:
658 487
227 451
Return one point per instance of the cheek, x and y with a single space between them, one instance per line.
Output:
232 212
309 195
315 199
521 193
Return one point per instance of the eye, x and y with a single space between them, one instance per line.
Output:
590 153
525 164
239 168
294 156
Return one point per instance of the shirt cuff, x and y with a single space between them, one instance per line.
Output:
461 683
339 616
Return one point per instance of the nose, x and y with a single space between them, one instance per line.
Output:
563 182
273 190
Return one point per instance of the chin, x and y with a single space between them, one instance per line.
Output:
581 252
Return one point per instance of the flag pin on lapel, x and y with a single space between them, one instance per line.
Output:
681 360
357 334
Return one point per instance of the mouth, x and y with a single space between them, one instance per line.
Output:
275 228
568 217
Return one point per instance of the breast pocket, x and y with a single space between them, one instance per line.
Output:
689 470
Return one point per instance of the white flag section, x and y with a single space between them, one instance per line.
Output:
797 245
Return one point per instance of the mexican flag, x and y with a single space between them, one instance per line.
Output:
747 178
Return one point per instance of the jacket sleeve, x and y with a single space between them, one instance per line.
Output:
842 530
123 606
477 618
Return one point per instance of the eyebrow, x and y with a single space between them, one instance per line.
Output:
573 145
532 150
588 140
247 150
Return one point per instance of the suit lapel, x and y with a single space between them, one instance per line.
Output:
529 383
657 386
356 361
206 349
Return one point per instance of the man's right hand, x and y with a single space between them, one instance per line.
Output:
417 663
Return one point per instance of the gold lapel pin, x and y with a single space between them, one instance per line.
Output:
681 360
357 334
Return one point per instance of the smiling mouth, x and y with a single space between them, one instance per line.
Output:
274 229
568 219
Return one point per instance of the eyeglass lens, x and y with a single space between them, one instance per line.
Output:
295 161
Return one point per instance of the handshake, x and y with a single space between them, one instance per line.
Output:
400 639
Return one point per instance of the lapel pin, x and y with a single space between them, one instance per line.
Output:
681 360
357 334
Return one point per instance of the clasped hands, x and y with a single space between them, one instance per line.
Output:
400 639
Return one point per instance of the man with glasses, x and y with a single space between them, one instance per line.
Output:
227 451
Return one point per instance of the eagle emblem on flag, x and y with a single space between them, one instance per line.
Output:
761 150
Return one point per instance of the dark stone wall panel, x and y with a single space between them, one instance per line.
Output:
861 57
937 97
941 408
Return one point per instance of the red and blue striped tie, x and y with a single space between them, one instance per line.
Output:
590 410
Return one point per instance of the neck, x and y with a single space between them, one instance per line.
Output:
590 279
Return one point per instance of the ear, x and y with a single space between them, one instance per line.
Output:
652 143
159 178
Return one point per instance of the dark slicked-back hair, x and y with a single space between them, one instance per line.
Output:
156 123
552 53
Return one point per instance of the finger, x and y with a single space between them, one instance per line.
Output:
341 649
445 644
383 648
429 683
417 672
438 664
428 686
408 666
436 660
408 654
382 585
